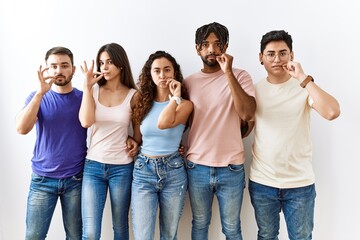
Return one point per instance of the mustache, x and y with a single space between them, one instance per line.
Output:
212 55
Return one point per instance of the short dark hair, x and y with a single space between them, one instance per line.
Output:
219 30
120 60
276 35
60 51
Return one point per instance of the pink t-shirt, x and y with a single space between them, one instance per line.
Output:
214 138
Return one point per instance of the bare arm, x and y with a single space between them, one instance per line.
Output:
27 117
87 108
174 114
136 126
245 105
325 104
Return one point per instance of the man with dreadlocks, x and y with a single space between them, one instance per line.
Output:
223 98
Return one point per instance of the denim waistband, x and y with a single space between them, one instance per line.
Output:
161 159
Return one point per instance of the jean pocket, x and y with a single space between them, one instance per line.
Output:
176 163
36 178
190 164
78 177
139 164
236 167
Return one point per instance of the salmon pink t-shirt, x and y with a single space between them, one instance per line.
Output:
214 137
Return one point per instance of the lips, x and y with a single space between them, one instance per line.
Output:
59 76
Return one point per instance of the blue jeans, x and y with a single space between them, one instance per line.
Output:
228 184
98 179
158 182
297 205
43 195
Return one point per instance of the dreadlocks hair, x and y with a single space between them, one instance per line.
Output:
147 87
219 30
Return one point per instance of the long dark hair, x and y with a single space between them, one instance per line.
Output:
120 60
147 88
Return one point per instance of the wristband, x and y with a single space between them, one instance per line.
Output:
176 99
306 81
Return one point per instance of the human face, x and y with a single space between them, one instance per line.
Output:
210 49
108 68
61 67
275 55
161 70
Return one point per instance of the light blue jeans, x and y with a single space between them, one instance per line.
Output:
158 182
43 195
297 205
228 184
98 179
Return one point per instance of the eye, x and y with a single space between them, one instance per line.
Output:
53 67
271 54
205 45
283 54
109 62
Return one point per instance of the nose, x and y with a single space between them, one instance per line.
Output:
104 66
58 70
211 48
277 58
162 74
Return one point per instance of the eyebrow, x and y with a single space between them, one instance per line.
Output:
166 67
62 63
108 59
283 50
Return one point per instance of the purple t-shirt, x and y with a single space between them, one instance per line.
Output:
60 146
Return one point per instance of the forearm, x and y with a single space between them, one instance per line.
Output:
325 104
168 116
245 105
87 109
27 118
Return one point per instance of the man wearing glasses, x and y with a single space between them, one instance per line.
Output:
281 173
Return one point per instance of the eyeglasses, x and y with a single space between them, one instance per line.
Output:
271 56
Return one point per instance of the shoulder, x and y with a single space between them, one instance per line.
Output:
241 73
135 98
186 104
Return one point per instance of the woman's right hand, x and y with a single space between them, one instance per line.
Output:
91 77
174 87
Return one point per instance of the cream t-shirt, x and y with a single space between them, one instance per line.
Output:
282 148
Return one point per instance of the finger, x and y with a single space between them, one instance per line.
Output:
92 65
85 67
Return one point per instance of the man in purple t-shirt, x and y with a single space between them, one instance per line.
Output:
60 147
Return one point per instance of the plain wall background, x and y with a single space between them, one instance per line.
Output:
326 38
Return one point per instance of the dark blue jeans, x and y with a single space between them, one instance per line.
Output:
297 205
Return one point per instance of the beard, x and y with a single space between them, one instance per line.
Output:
211 63
62 80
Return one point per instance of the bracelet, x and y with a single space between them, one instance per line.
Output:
176 99
306 81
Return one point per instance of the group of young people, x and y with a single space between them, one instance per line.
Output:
84 149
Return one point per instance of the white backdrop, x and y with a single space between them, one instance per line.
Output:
326 38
